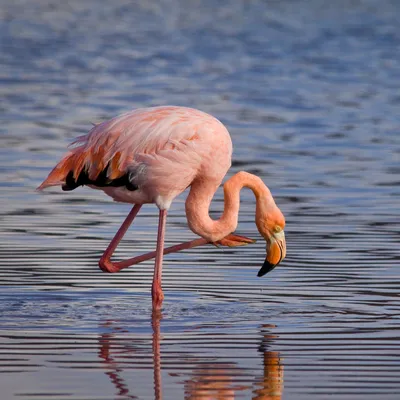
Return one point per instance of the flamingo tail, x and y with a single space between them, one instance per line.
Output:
81 167
58 175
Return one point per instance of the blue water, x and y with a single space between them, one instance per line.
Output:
310 92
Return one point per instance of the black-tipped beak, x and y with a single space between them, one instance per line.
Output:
276 252
267 267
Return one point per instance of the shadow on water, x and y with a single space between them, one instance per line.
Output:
204 379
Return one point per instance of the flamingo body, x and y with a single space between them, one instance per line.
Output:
151 155
148 155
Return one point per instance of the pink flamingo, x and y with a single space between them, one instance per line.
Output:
151 155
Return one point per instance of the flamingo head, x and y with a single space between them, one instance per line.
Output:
271 223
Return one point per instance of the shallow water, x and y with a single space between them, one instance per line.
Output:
310 93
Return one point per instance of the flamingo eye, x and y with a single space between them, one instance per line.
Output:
277 229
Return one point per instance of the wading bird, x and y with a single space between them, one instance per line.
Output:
151 155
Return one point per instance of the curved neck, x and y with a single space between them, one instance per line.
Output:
201 194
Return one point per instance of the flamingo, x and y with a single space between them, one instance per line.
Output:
151 155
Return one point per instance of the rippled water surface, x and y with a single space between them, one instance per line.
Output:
310 92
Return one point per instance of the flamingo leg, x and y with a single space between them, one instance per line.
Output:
156 289
107 265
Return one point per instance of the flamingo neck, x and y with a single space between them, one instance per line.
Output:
201 194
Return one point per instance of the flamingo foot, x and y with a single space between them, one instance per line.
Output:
157 296
234 241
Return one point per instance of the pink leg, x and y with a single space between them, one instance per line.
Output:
108 266
157 294
156 289
105 263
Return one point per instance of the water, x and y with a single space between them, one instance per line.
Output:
310 93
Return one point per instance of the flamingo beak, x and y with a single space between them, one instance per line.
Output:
276 252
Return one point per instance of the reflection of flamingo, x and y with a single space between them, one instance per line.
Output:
155 324
215 381
212 382
114 369
109 355
270 386
150 156
209 380
112 366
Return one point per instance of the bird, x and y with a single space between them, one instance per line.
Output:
153 154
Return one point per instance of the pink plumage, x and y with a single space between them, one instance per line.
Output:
162 148
151 155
